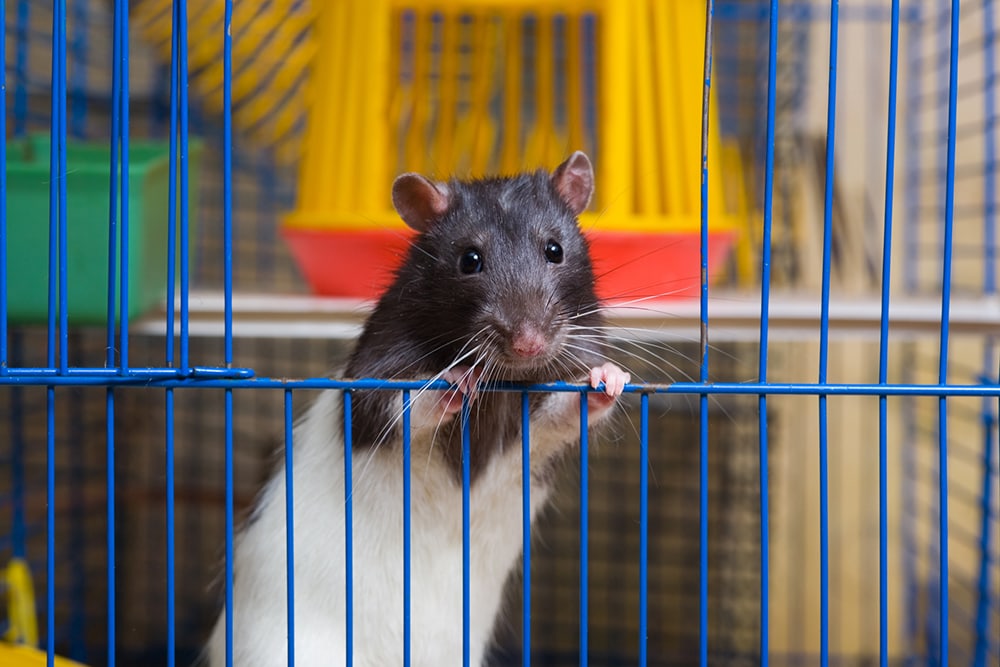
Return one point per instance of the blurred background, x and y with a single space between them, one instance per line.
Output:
332 99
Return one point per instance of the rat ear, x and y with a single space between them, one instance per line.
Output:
419 201
574 181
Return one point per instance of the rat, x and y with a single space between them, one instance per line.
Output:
496 286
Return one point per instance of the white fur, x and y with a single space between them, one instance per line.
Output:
259 619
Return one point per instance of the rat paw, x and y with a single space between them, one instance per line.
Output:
466 381
613 377
431 409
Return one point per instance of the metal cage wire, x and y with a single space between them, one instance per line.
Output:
179 372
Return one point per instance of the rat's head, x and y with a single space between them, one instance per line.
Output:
501 269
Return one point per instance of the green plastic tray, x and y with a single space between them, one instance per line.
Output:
87 206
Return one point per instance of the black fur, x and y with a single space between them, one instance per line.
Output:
432 311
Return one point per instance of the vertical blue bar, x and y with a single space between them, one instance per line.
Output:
644 536
227 166
110 472
765 297
949 224
526 530
466 484
57 174
290 527
227 213
824 337
116 77
59 58
17 413
50 526
941 134
229 526
121 19
348 528
824 534
407 625
17 441
172 189
705 99
3 189
584 537
119 141
171 533
990 170
702 520
890 172
703 375
185 246
764 533
116 106
54 177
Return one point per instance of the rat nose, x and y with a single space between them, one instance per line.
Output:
528 342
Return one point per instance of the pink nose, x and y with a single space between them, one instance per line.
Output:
528 343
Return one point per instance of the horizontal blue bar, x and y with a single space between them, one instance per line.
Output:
103 376
231 378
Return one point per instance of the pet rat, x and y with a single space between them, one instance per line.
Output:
497 285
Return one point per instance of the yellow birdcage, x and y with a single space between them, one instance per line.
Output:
474 87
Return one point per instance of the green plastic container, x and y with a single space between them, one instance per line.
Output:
88 167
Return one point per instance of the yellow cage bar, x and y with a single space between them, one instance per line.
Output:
475 87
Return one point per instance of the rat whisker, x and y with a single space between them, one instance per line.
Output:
602 307
649 356
572 349
637 339
391 425
684 375
451 341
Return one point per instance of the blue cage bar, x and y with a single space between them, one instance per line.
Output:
933 611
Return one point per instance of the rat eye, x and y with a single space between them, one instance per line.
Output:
471 261
553 252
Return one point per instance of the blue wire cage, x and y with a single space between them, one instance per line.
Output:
797 497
